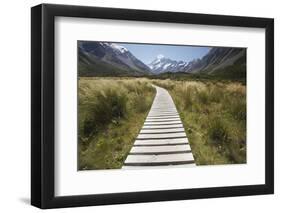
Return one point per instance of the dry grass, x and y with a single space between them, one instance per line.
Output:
214 116
111 113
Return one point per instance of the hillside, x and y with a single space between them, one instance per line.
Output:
111 59
220 61
108 59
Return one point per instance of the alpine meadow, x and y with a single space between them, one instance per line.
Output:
160 105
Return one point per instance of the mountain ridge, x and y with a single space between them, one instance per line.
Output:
97 56
216 60
111 59
162 64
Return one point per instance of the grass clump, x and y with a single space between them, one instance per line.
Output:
217 131
214 117
111 113
202 96
109 106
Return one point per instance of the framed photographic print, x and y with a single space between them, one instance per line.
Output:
139 106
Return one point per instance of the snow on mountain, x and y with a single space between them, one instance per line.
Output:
166 65
116 47
217 59
112 54
160 56
99 57
162 64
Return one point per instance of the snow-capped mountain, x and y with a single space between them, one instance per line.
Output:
112 59
162 64
104 58
217 60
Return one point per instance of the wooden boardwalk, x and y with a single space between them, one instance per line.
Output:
162 141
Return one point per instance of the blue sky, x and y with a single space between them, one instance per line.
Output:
148 52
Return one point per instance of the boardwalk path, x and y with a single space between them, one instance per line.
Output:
162 140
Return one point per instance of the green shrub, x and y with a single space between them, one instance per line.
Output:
140 103
110 105
89 126
111 113
236 150
217 131
238 109
203 96
187 98
216 94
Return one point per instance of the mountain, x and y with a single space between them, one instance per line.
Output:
220 60
107 59
224 61
111 59
162 64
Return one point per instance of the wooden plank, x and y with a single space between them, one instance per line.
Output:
162 120
143 131
163 159
162 135
156 149
161 109
162 114
162 142
190 165
162 117
162 126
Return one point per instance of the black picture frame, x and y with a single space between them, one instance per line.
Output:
43 117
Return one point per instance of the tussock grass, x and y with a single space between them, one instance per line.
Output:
214 117
111 113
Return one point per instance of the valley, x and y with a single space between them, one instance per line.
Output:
162 112
112 111
108 59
